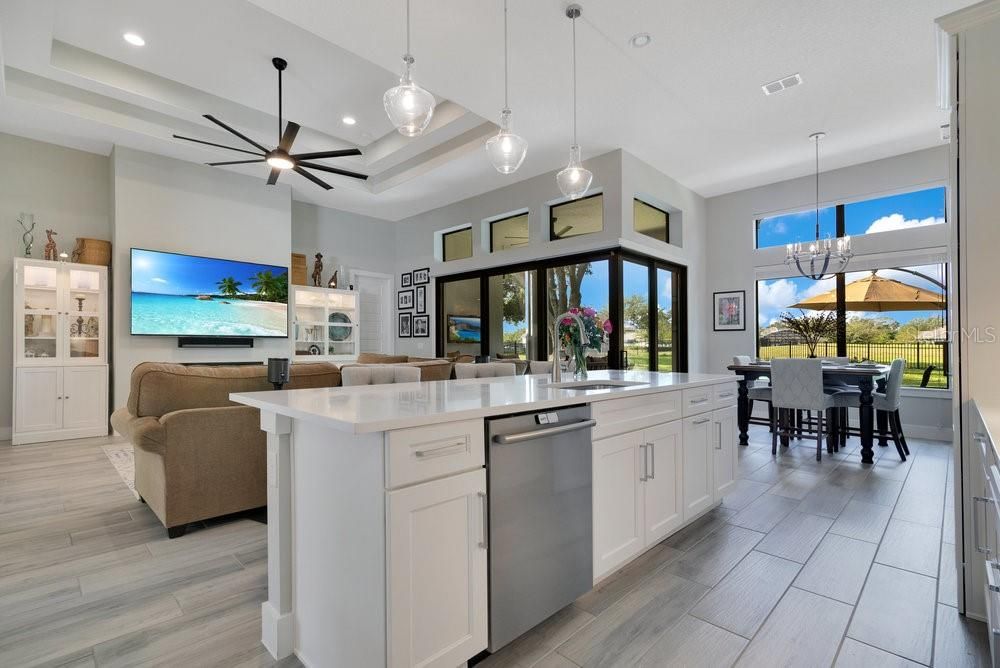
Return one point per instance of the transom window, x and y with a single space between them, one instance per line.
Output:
510 232
651 221
576 217
456 245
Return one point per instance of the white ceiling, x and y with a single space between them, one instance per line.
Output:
690 103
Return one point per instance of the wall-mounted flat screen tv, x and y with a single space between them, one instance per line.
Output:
189 295
463 329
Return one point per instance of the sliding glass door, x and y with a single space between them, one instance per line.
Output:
512 318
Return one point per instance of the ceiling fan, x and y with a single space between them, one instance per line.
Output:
281 157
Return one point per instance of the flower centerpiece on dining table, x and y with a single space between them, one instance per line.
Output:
596 329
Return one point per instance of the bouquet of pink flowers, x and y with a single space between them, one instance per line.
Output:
596 328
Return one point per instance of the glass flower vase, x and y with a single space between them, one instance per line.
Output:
579 363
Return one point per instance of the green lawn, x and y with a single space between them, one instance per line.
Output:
638 358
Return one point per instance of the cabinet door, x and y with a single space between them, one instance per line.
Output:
38 399
85 394
663 487
437 577
725 453
699 483
83 293
618 500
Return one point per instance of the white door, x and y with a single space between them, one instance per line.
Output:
38 400
725 454
663 487
618 502
85 397
375 303
437 577
699 483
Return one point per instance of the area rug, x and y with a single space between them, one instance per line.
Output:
123 459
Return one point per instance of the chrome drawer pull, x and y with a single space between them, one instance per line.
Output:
485 542
652 457
725 395
701 421
699 401
975 524
719 446
645 463
440 450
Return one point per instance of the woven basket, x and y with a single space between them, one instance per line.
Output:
92 251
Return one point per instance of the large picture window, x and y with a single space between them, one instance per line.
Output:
880 315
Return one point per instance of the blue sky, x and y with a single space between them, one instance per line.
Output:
172 274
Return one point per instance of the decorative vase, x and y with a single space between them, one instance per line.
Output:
579 363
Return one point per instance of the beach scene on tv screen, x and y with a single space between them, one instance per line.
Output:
184 295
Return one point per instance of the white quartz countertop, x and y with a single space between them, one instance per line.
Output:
374 408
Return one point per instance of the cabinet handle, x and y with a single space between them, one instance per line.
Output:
975 523
644 476
725 395
979 436
485 542
440 450
699 401
701 421
718 442
652 457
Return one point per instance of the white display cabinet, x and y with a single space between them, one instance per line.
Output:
324 323
60 324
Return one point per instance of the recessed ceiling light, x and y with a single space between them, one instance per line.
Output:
640 39
134 39
349 120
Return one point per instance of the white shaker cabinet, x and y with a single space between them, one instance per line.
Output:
437 571
699 457
664 484
619 507
725 453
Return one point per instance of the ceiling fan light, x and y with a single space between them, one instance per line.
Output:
280 160
409 107
574 179
505 149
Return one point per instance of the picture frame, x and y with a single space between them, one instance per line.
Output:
406 279
421 326
422 276
421 299
729 311
405 325
404 300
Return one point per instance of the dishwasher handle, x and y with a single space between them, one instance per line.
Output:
511 439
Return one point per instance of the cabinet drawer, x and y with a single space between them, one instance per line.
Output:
725 395
698 400
422 453
617 416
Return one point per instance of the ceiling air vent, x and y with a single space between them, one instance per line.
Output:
781 84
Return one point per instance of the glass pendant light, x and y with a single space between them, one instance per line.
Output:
408 106
574 180
506 150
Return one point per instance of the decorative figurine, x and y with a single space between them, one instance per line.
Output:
28 238
332 283
51 253
317 274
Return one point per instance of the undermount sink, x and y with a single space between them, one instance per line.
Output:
593 384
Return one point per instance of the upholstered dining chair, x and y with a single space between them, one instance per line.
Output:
536 366
883 402
487 370
378 374
797 385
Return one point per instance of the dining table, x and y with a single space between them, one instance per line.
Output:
866 377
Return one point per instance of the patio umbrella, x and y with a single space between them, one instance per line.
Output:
874 293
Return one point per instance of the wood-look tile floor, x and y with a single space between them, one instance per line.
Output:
805 563
843 564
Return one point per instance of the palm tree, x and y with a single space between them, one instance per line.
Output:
263 283
812 328
229 287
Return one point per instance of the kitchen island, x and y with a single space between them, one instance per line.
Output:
377 501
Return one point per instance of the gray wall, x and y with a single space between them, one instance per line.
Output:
348 239
733 264
69 192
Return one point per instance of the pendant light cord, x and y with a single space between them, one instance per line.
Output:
574 81
407 28
506 66
817 188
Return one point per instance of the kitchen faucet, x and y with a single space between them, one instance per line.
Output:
584 340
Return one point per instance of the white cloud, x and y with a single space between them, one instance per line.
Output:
157 279
773 297
896 221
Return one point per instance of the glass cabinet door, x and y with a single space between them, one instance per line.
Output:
341 331
41 337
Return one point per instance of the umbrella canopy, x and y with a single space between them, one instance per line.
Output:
874 293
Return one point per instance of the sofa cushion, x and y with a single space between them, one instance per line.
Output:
159 388
380 358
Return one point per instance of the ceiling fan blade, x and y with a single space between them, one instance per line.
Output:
291 129
208 143
319 182
332 170
327 154
564 230
273 177
235 132
233 162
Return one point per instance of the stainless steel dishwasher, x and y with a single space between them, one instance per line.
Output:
540 517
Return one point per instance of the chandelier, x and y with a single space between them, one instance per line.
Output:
822 258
